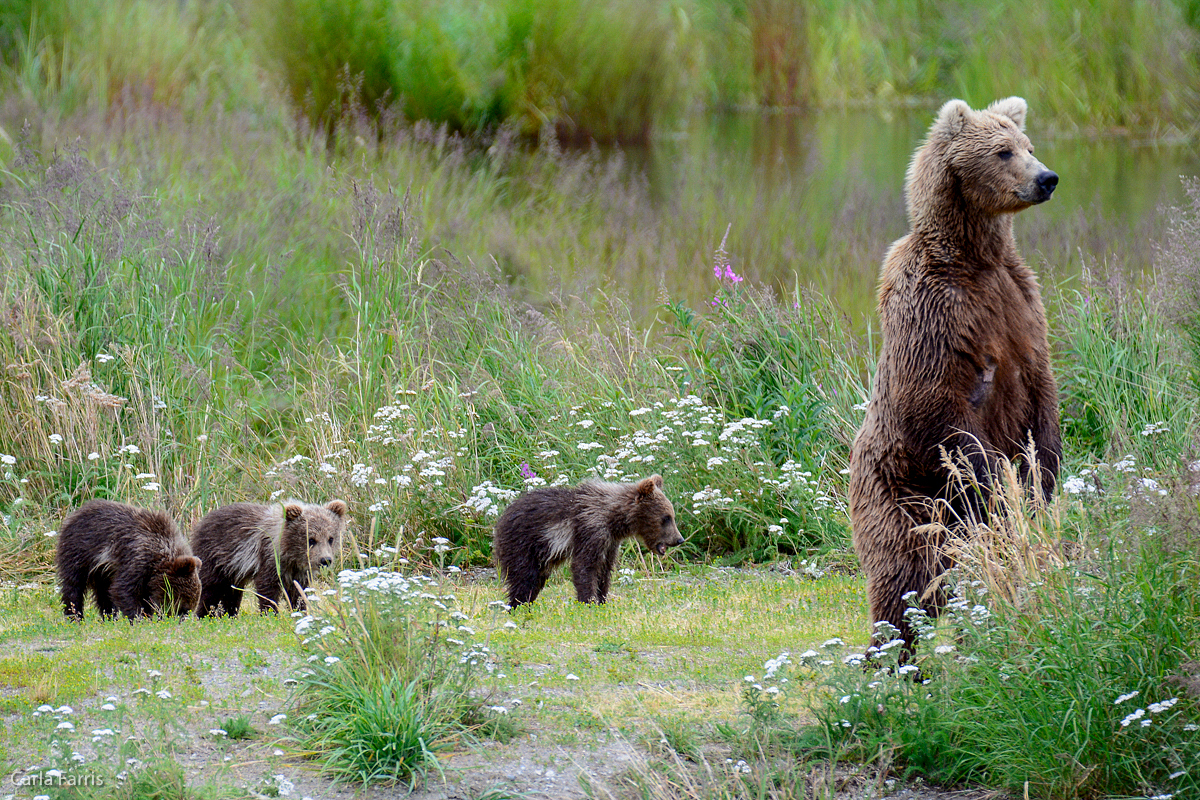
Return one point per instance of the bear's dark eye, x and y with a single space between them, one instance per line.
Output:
312 542
666 520
1005 155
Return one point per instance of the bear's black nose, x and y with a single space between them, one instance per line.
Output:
1046 183
325 562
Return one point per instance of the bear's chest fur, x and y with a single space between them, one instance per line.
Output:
968 336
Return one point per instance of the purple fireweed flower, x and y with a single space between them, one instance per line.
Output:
527 472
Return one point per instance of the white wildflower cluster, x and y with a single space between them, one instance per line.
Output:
487 498
360 474
1144 716
375 581
1125 474
742 432
772 683
389 593
794 479
395 424
710 497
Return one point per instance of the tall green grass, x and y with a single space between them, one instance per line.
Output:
392 679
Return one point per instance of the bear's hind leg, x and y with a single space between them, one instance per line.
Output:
101 587
230 600
524 589
73 588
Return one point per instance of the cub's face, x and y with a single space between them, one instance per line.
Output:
656 517
994 162
317 531
176 589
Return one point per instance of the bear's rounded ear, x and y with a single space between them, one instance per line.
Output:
646 486
1015 108
337 507
184 565
953 117
658 481
292 511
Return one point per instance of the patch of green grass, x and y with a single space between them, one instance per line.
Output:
238 727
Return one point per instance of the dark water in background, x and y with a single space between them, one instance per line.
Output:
818 198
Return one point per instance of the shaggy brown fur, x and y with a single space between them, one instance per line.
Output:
544 528
965 363
277 545
135 561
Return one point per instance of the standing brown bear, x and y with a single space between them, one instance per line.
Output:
964 364
277 545
544 528
134 560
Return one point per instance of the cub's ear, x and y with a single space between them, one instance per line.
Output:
952 118
183 566
646 486
292 511
337 507
1014 108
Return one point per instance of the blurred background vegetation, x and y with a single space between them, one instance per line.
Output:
611 70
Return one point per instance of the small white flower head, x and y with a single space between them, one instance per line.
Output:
202 438
1124 697
1130 719
278 718
218 732
93 456
5 458
65 726
1158 708
108 707
56 438
571 676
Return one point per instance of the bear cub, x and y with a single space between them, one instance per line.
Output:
134 560
546 527
277 545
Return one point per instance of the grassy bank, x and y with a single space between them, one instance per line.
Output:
613 70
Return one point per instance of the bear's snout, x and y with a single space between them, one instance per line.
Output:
324 561
1046 182
662 548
